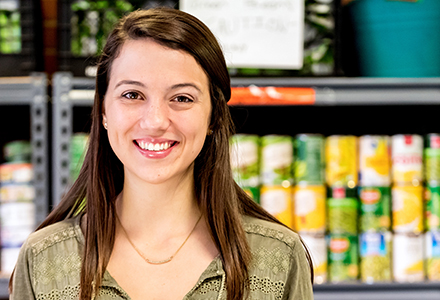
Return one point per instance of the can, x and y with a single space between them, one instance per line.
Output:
407 159
245 149
343 215
374 160
408 257
337 192
253 192
309 208
317 246
16 172
432 207
309 159
432 248
432 158
407 209
343 258
18 151
375 208
11 192
277 160
9 259
341 161
78 146
375 256
17 214
277 200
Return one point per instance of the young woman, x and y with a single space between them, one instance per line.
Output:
163 217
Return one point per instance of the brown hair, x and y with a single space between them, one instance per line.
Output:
101 178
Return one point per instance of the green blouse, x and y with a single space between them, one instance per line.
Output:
49 264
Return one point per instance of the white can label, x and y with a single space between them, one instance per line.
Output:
407 158
408 252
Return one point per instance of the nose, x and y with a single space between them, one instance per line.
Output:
155 116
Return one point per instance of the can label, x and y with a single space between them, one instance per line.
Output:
408 254
253 192
17 214
277 160
432 164
433 255
374 161
343 215
309 208
407 206
375 212
16 173
317 246
309 159
407 159
341 161
277 200
432 207
9 259
375 252
11 192
78 146
244 151
343 257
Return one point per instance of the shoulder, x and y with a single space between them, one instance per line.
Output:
55 234
269 234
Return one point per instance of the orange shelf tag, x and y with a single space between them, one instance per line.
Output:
254 95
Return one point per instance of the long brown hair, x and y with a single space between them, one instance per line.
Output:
221 200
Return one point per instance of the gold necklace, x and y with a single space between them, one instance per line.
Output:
155 262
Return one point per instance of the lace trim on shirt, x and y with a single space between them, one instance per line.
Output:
55 269
276 260
72 293
52 239
272 233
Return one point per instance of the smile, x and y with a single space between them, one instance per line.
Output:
155 146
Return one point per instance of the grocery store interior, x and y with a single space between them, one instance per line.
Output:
336 105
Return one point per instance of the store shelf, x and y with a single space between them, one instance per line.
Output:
32 91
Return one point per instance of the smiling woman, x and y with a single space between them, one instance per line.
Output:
155 212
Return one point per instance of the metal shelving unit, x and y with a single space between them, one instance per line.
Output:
331 93
31 91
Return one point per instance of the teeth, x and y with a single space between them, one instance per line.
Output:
154 147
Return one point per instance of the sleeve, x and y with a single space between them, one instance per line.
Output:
299 284
22 277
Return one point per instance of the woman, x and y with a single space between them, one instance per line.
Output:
163 218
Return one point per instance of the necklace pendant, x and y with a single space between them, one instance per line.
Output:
159 262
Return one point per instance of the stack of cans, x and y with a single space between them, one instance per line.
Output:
309 199
407 208
375 208
78 145
342 207
432 205
17 208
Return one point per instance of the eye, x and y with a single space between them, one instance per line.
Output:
131 95
182 99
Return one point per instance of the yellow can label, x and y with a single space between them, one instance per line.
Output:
277 200
309 208
341 161
407 209
374 160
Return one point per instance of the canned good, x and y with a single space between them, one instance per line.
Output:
245 159
433 255
309 208
342 192
253 192
407 159
277 160
78 145
317 246
374 160
277 200
375 253
309 159
15 236
16 172
407 207
9 259
11 192
17 214
408 254
341 161
432 207
343 257
375 208
343 215
18 151
432 158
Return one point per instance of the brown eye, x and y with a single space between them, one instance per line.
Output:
183 99
131 95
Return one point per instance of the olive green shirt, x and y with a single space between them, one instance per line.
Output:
50 261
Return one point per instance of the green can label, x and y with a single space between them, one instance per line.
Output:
309 159
432 164
343 257
432 207
245 159
277 160
375 208
253 192
375 252
343 215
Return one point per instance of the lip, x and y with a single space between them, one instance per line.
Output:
155 154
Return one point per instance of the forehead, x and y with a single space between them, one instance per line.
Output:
146 58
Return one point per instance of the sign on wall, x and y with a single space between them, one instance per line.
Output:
254 33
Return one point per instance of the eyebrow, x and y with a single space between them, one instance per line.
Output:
173 87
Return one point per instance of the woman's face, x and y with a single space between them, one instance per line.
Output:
157 109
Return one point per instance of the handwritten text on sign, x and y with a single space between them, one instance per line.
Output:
254 33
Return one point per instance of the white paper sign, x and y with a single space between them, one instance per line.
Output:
254 33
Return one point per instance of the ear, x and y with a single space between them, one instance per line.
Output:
104 121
